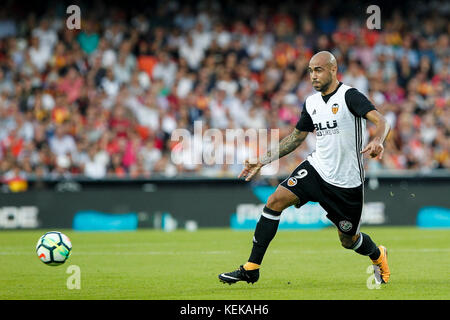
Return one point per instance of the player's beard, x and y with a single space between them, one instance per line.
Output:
324 85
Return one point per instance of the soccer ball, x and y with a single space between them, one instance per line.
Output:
53 248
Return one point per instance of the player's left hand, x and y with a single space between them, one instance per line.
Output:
375 148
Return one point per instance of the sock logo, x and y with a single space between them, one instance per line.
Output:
345 225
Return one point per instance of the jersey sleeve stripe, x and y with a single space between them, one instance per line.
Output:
358 137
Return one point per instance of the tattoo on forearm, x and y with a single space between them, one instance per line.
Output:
287 145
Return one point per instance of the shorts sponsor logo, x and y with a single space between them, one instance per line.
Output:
292 182
345 225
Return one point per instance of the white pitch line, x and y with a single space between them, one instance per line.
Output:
120 253
308 251
143 253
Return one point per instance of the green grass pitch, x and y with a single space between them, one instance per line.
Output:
149 264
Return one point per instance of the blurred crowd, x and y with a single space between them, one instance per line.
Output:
103 101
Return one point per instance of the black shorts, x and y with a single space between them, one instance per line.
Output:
343 205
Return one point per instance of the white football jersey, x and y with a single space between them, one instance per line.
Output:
340 127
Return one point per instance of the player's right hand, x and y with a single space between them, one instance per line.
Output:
250 169
375 149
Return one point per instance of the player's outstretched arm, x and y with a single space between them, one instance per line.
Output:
287 145
375 146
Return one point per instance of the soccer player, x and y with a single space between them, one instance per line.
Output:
332 175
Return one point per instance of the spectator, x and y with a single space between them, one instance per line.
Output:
62 143
104 100
88 38
47 36
355 77
193 54
95 166
165 69
39 54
